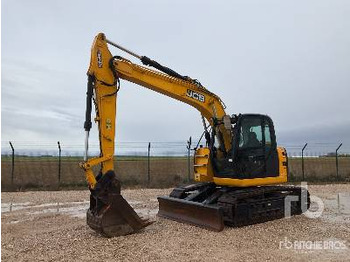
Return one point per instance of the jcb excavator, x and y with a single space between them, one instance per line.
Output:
235 173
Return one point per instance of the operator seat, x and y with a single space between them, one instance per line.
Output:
253 140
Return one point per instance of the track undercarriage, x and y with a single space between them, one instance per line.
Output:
202 204
211 207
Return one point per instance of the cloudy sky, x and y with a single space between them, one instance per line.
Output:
287 59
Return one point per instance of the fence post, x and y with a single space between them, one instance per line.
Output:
148 164
13 164
59 162
189 143
336 160
302 160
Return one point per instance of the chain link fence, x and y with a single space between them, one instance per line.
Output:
52 166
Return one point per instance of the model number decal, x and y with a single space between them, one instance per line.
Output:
99 58
108 124
195 95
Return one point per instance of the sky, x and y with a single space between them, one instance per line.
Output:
287 59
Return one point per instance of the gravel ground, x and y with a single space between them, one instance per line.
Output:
50 226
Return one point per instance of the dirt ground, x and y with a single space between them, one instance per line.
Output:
50 226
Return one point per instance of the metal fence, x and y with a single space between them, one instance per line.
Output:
152 164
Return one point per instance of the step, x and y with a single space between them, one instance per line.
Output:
201 155
200 165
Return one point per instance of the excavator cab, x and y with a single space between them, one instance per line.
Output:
256 147
253 152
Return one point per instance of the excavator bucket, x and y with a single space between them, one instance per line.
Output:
198 214
109 213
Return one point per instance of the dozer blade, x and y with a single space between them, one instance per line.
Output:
109 213
205 216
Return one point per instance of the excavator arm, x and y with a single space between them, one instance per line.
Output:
109 213
103 80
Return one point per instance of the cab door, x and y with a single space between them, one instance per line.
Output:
256 152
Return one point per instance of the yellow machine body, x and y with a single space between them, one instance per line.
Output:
109 213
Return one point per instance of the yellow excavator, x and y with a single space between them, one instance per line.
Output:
236 171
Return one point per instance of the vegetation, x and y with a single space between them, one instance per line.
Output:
41 172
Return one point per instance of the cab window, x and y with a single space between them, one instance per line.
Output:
251 133
267 134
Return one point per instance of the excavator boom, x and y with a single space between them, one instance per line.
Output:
109 212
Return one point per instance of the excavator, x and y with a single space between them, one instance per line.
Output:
238 172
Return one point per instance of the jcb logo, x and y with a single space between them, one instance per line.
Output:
195 95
